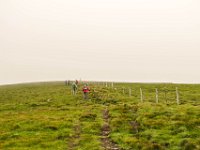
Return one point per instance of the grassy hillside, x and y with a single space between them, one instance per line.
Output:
46 116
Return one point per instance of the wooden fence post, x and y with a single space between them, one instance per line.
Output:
141 95
156 95
177 96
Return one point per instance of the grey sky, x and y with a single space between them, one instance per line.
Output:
120 40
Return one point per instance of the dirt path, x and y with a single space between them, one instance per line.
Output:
107 143
74 139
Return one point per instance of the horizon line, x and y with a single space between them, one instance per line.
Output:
141 82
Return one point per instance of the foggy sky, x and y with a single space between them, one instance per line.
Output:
118 40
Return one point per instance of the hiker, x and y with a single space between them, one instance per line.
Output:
74 88
86 90
76 82
67 82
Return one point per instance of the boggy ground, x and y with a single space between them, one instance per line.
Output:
42 116
107 143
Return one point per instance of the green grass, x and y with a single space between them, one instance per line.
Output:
46 116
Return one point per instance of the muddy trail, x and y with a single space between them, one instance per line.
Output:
107 143
74 139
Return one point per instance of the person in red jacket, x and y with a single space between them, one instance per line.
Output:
86 90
